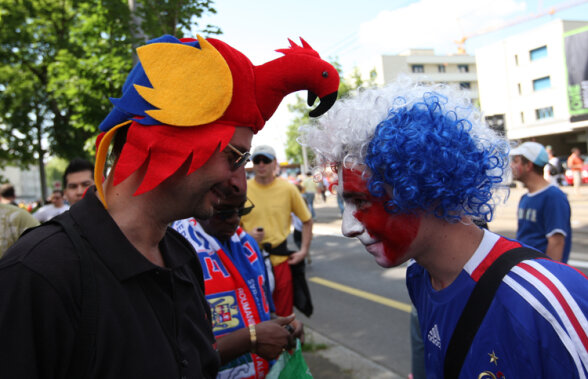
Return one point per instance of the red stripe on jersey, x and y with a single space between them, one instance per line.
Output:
500 247
562 301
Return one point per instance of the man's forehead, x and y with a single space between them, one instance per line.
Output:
242 137
352 180
79 175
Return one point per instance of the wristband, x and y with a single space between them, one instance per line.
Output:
253 337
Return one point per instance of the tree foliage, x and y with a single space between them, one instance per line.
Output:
60 60
346 87
55 168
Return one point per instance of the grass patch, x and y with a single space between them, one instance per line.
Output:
310 347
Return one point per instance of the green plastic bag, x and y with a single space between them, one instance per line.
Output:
290 366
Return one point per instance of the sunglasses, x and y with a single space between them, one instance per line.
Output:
224 214
241 160
262 158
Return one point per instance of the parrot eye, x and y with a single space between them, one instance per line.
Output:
325 74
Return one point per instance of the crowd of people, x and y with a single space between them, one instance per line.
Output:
171 263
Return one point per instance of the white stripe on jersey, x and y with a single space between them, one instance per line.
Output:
536 304
486 245
551 298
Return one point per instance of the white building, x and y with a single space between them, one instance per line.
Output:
27 184
523 81
423 63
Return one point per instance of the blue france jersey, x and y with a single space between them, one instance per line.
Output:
542 214
535 328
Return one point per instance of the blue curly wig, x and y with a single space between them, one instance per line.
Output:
426 146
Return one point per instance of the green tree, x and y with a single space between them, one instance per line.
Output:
60 60
55 169
294 151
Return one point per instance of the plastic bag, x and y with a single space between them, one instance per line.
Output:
290 366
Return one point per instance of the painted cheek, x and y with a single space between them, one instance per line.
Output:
396 232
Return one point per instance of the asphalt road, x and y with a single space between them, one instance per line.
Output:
365 308
360 321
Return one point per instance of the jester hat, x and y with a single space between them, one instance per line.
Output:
185 97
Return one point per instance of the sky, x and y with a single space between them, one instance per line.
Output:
357 33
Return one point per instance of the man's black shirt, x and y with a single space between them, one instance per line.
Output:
153 322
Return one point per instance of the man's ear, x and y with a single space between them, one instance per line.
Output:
529 165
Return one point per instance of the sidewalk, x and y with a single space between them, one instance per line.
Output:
333 361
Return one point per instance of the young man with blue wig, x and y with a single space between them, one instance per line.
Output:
417 165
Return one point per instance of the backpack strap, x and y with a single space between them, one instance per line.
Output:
477 306
85 341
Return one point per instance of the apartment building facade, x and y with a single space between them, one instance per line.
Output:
525 86
423 64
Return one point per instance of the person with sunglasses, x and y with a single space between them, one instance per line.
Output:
270 223
248 333
118 292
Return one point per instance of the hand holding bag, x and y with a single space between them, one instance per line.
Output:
290 366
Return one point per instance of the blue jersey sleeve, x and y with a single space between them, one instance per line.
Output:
557 214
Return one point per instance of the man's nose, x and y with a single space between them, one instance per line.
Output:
238 181
350 226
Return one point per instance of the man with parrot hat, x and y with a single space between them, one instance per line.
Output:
108 290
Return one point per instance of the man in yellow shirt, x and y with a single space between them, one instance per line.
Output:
269 222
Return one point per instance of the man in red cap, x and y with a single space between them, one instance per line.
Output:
115 291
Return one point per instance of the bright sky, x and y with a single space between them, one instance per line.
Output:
358 33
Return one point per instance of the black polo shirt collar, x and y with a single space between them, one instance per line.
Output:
111 245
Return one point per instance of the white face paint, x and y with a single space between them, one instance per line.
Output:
350 226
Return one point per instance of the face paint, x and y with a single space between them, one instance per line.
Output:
386 236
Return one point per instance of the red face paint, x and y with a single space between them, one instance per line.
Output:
395 233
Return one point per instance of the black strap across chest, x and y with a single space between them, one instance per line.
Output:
477 306
85 343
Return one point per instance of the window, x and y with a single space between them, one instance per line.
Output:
463 68
519 88
416 68
538 53
544 113
464 85
441 68
516 60
522 117
541 83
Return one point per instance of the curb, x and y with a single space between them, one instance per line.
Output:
350 362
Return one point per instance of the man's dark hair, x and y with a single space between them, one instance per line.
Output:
7 191
77 165
537 169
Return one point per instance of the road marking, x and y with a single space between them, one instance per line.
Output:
363 294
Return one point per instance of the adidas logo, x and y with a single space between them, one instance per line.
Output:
434 336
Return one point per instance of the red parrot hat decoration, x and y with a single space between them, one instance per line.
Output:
185 97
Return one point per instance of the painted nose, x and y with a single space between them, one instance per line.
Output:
350 226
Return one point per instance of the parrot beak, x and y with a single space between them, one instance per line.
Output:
325 104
